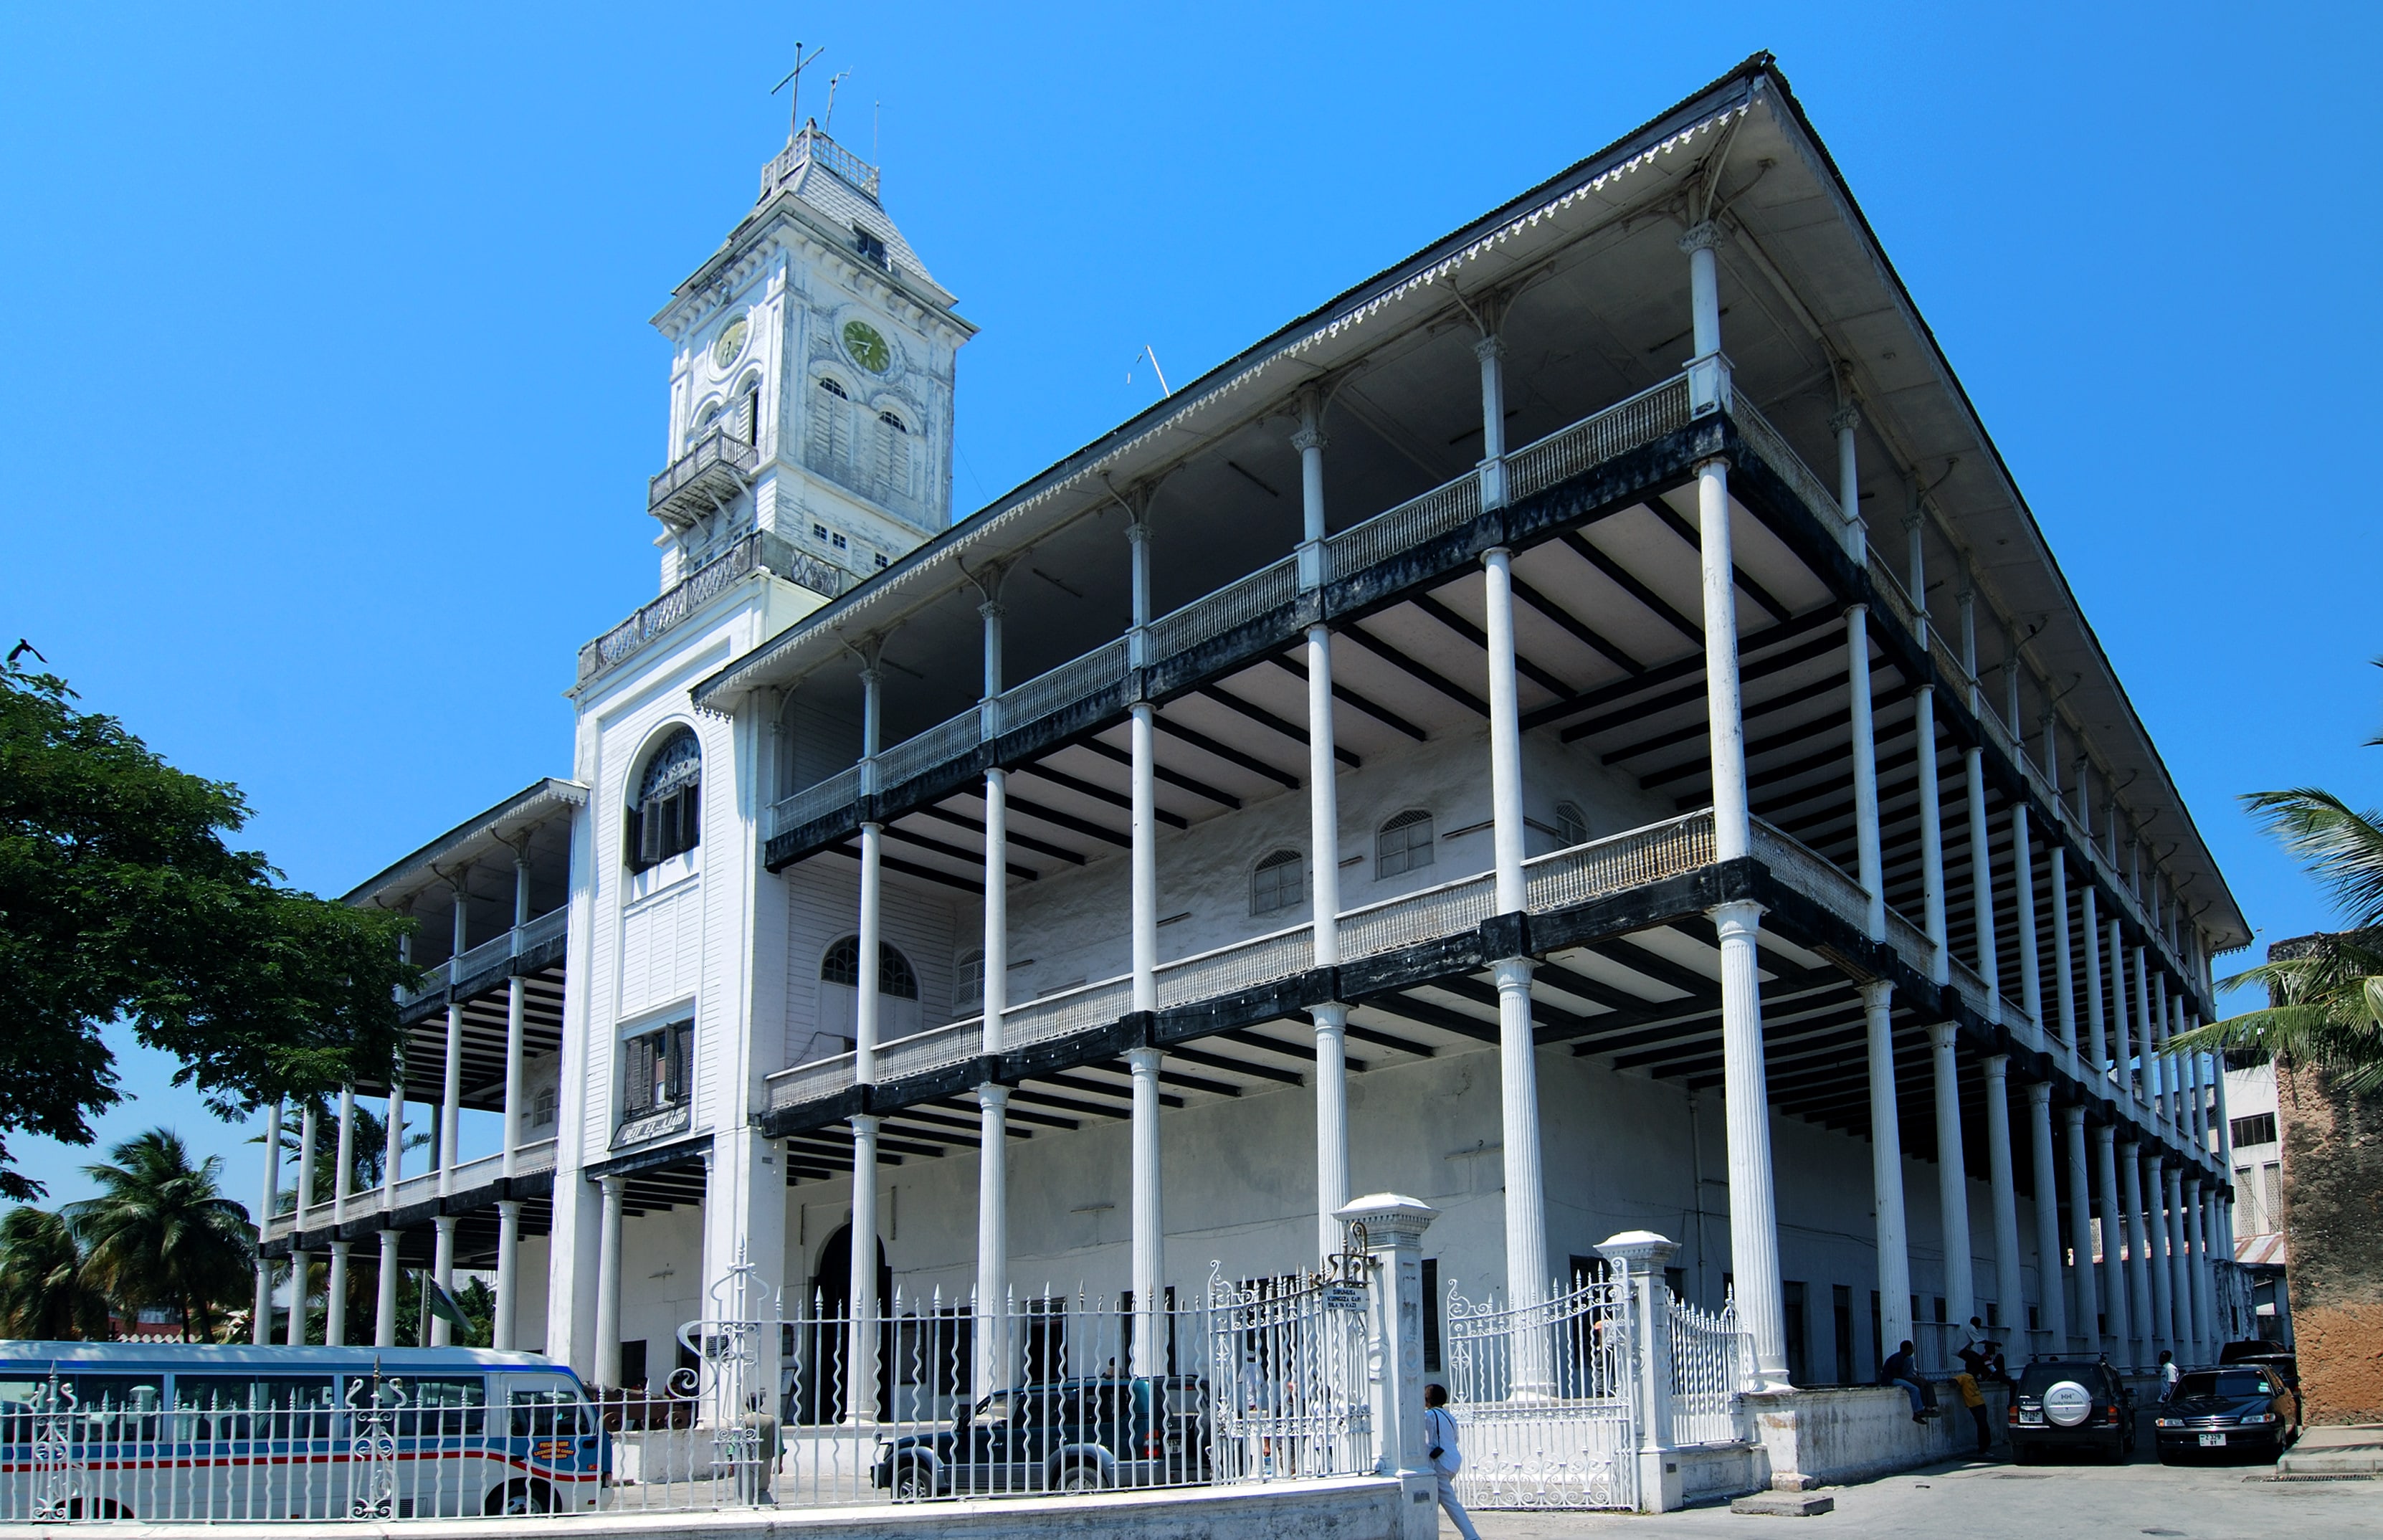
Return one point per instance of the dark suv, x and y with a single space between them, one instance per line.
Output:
1070 1435
2244 1408
2071 1403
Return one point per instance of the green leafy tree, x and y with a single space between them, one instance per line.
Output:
161 1232
42 1294
2324 1004
120 901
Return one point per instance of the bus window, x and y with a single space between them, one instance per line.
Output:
435 1407
117 1408
208 1407
551 1413
295 1406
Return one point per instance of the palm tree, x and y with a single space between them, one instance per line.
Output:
161 1232
2324 1004
42 1290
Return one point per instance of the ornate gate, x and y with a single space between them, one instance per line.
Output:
1287 1365
734 1397
1543 1395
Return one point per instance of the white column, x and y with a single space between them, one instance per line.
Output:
2121 1053
2119 1336
1149 1226
343 1173
1725 721
1324 848
1526 1246
269 1203
2156 1258
2130 1172
1981 881
1490 351
1869 865
2087 1333
502 1327
2097 1039
2148 1059
451 1105
2031 954
2204 1315
1887 1168
860 1346
1753 1209
1932 830
2183 1335
871 941
385 1292
1952 1178
2002 1183
1310 441
608 1286
302 1262
393 1155
2049 1276
994 1364
335 1297
1145 864
2063 977
443 1272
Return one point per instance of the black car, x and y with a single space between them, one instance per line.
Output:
1070 1435
2244 1407
2071 1403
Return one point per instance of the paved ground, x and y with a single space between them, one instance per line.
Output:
2041 1502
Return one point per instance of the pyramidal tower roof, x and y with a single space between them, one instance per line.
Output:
841 186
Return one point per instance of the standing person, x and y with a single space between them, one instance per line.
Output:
1441 1447
1902 1368
1975 1399
2169 1373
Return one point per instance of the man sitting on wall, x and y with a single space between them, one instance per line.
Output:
1903 1368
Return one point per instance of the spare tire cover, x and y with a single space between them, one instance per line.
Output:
2067 1403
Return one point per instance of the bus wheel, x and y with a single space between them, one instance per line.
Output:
521 1496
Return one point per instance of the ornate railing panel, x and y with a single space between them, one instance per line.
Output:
1243 965
1593 440
925 751
1811 873
1070 1011
1238 603
1407 526
1078 679
1711 1359
754 551
1618 862
1543 1397
1773 447
1418 916
816 801
815 1082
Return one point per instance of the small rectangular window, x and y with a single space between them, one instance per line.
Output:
838 541
869 246
818 532
879 559
653 1069
2258 1128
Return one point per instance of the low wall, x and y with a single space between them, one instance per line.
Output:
1357 1508
1714 1472
1830 1437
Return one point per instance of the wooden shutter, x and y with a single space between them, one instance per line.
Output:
649 832
637 1076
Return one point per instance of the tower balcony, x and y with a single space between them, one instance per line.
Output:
705 478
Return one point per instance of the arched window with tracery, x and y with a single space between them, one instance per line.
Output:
1276 883
839 1000
664 819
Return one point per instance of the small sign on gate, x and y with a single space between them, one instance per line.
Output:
1345 1295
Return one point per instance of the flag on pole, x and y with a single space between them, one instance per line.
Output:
444 1305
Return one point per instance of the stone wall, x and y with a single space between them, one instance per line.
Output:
2333 1208
1833 1437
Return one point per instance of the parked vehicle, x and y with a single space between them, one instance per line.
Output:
2071 1403
2272 1356
2244 1407
167 1431
1071 1435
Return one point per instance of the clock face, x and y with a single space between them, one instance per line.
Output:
730 342
868 348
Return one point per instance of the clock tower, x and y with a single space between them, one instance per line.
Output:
811 378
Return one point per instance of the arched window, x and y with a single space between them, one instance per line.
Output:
665 820
893 459
831 445
894 977
746 421
967 982
1403 845
1572 824
1275 883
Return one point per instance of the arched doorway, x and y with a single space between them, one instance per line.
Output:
818 1388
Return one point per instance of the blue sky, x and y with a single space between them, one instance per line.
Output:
327 395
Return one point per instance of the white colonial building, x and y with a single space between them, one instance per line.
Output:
1581 728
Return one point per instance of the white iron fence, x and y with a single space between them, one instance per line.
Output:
1543 1399
1710 1358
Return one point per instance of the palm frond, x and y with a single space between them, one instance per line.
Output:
2340 847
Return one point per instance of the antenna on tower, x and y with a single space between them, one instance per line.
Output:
876 121
794 78
832 81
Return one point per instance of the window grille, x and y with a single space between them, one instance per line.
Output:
665 821
1276 883
1404 844
1572 824
2257 1129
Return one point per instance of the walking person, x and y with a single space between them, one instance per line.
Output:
1441 1447
2169 1373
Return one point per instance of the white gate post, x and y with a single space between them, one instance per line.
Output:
1640 1255
1394 1228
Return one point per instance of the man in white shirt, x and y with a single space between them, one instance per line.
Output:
1441 1447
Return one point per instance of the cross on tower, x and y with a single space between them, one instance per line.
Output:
794 78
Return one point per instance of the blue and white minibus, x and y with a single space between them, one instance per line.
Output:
171 1432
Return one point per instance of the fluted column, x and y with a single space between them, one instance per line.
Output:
2120 1332
1952 1177
385 1292
995 1363
2050 1277
1981 879
2097 1039
2002 1184
300 1262
2179 1268
508 1301
1331 1018
2129 1174
2146 1050
2087 1332
1886 1167
608 1284
2156 1258
269 1203
2122 1055
1753 1208
442 1273
335 1297
1932 830
2204 1314
2063 973
2031 954
860 1371
1149 1227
